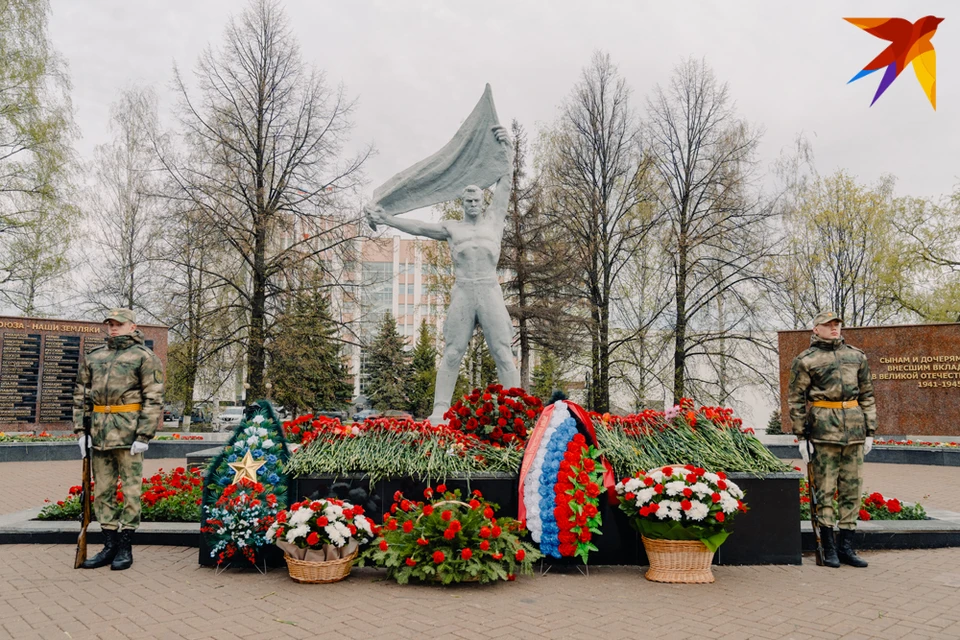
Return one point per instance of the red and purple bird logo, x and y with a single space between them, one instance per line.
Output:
908 43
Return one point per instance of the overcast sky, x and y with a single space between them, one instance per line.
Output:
418 68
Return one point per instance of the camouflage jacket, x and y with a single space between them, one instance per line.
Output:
834 371
123 371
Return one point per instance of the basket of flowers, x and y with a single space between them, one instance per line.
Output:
321 538
681 513
448 539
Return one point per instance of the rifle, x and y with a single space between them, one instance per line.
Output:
812 489
85 495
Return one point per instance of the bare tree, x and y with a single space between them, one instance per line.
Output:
270 179
595 176
716 226
122 210
536 260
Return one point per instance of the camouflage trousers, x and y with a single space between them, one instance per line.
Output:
108 467
838 469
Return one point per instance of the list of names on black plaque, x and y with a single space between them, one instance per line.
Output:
61 361
19 377
92 342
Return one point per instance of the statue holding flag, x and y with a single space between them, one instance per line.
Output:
478 156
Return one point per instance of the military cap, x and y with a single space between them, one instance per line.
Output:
121 315
826 316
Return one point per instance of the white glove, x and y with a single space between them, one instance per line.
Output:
85 443
138 447
804 454
867 445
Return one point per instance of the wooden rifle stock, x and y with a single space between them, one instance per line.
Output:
812 490
85 496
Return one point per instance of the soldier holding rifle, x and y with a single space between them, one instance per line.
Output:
124 380
832 406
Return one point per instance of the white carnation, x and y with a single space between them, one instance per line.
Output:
675 488
711 477
698 510
644 496
657 475
363 524
300 516
297 532
701 489
332 511
734 490
633 484
727 502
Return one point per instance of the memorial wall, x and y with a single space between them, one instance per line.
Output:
39 360
915 371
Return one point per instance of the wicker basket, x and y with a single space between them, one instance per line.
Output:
319 572
683 561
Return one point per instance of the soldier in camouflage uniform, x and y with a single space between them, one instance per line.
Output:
125 380
832 405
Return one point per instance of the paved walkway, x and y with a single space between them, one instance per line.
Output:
904 594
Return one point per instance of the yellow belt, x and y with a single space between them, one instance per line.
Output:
827 404
117 408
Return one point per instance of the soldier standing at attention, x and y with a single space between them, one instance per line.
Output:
831 404
125 382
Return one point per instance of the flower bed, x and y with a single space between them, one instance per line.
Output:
43 436
873 506
385 447
708 437
178 436
173 496
915 443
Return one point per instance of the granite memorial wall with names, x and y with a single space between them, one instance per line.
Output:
915 371
39 360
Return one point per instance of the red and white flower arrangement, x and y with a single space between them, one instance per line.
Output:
321 530
681 503
239 520
446 539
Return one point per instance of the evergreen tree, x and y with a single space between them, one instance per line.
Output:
424 376
387 368
306 364
547 377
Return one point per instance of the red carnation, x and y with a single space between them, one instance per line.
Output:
585 535
497 556
685 505
484 532
720 516
438 557
313 538
668 471
428 493
496 531
422 542
322 521
408 526
687 492
589 510
520 555
449 534
721 485
383 545
593 490
446 515
455 525
488 513
658 489
484 545
427 509
864 514
474 504
442 488
411 562
405 505
466 554
715 497
583 478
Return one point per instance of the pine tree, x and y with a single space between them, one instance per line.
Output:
306 364
387 368
424 377
546 377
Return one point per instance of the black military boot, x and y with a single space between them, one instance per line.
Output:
124 557
846 553
830 558
106 554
